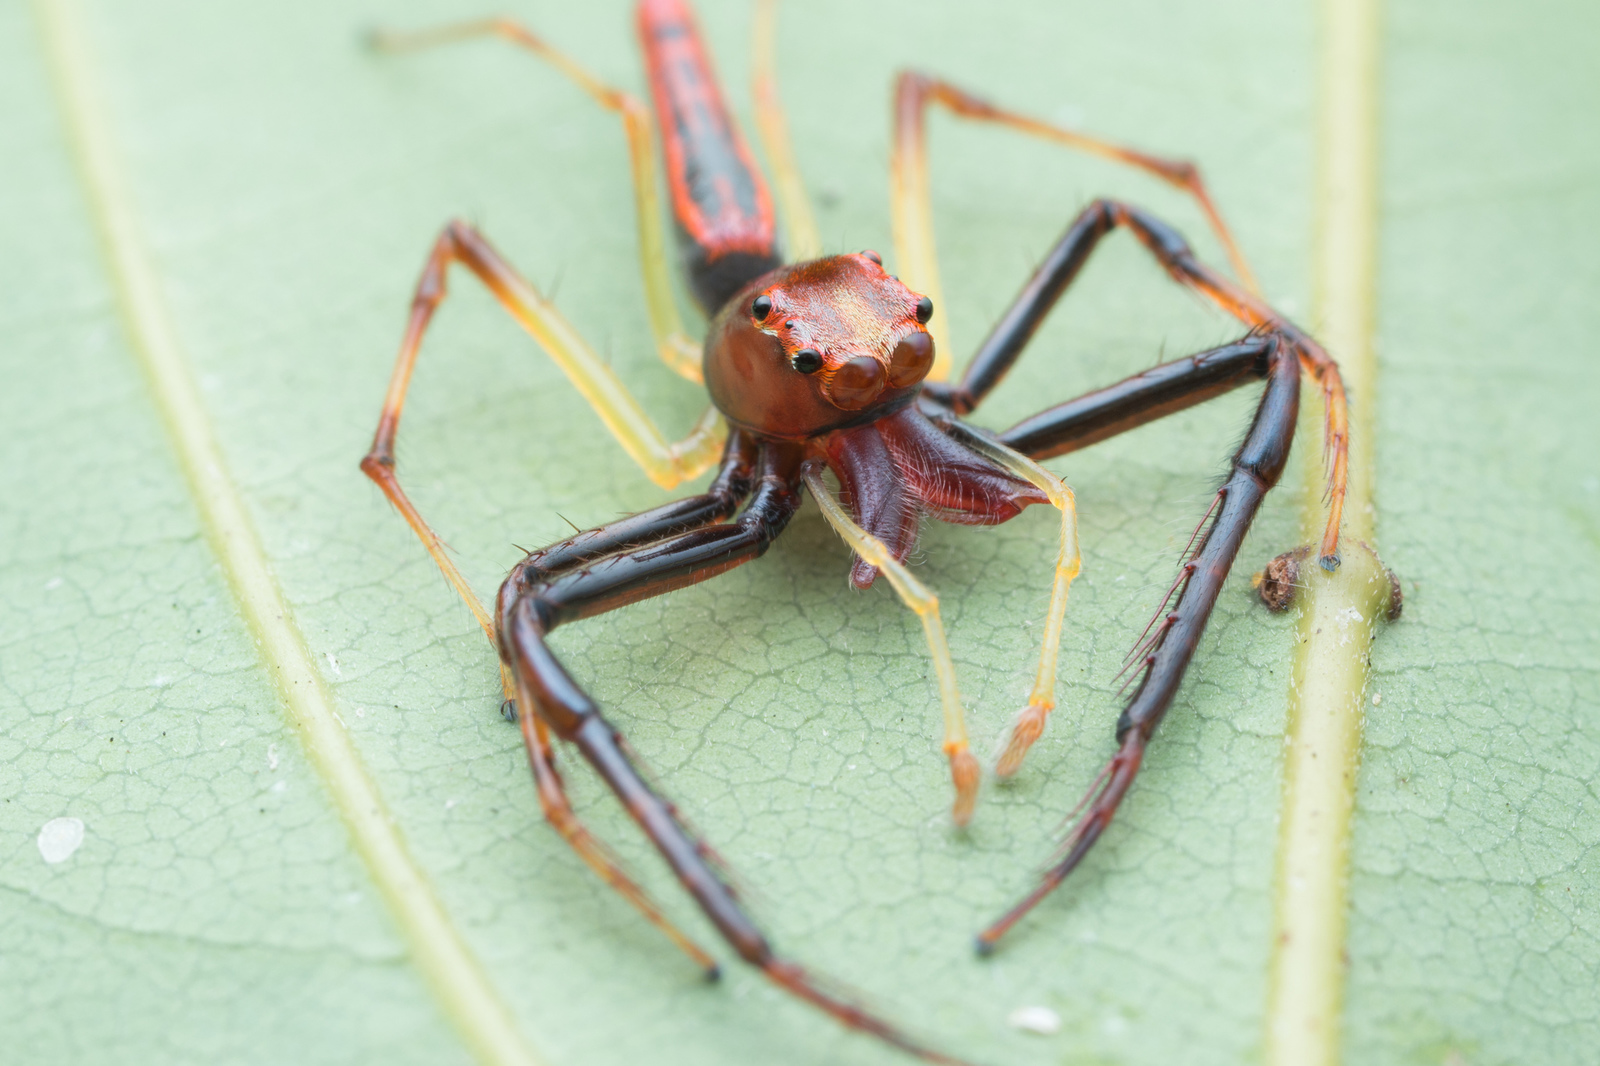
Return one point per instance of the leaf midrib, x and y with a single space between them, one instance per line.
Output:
440 952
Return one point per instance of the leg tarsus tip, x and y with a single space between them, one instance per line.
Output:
713 974
508 711
982 947
1027 728
1330 563
965 775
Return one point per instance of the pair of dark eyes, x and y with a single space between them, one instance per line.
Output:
910 363
809 360
761 307
806 360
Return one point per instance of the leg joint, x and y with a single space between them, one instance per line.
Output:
378 464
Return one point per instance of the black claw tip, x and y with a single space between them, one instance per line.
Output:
1330 563
508 710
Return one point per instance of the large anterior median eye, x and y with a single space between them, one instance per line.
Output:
912 358
856 384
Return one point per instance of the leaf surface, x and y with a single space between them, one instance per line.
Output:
289 184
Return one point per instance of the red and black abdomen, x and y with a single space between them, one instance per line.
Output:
723 211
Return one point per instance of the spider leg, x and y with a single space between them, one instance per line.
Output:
1016 327
720 500
911 201
1152 394
964 772
531 605
1086 420
800 226
678 350
666 463
1029 723
1256 467
558 812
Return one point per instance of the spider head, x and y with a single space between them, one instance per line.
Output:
818 346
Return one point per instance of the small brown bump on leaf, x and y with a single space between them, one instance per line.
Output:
1276 584
1397 596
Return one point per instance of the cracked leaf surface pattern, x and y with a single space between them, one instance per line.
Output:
1476 855
289 185
214 904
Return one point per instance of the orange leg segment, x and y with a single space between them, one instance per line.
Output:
677 349
460 243
1314 360
911 199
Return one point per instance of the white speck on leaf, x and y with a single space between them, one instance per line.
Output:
1040 1020
59 838
334 663
272 757
280 786
53 584
160 681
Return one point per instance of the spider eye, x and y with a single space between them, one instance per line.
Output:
807 361
761 307
912 359
856 384
874 256
924 310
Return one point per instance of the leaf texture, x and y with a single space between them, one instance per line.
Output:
288 184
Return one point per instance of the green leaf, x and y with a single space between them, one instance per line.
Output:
287 184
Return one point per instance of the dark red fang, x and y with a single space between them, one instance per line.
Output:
953 483
875 493
895 470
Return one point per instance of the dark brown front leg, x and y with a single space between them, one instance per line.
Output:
535 601
1257 466
1061 265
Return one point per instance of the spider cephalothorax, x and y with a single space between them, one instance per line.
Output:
832 352
818 346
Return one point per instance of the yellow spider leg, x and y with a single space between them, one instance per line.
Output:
666 463
800 226
678 350
963 766
911 219
911 201
1029 723
541 755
